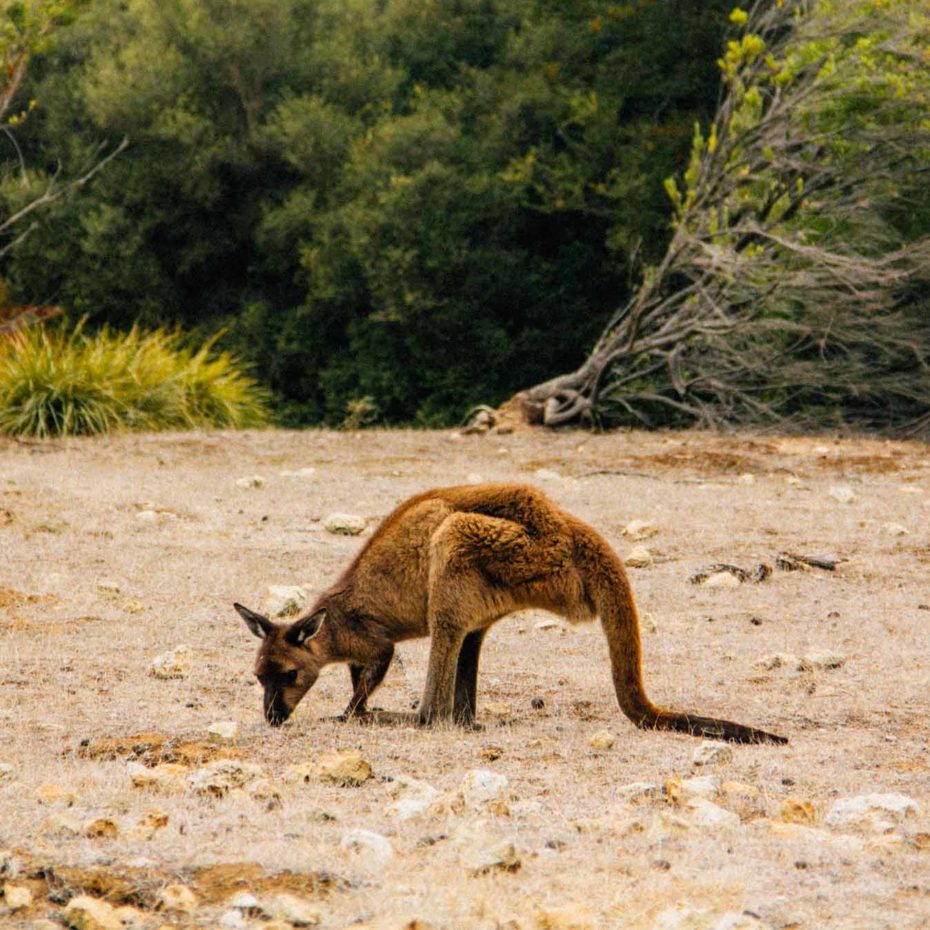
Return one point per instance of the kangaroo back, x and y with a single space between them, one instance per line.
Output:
608 589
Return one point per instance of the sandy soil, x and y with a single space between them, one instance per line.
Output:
90 593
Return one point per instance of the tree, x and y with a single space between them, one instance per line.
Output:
26 28
793 287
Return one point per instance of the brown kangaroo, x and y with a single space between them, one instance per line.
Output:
449 564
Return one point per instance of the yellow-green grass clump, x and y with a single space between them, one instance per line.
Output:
59 383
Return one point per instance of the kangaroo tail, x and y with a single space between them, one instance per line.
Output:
609 590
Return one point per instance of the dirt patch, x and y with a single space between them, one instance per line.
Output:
153 749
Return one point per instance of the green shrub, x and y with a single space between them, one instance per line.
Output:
54 382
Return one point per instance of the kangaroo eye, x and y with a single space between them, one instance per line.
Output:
289 678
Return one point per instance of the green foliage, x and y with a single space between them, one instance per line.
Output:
54 382
429 204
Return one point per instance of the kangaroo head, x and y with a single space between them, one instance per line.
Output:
289 660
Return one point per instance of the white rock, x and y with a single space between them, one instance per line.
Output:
147 516
285 600
547 624
481 787
747 478
480 851
6 770
345 524
251 481
474 478
705 813
223 731
648 623
602 740
721 580
638 530
177 898
412 798
820 660
220 777
244 901
547 474
842 494
701 786
878 812
637 790
176 663
895 529
165 777
374 849
16 897
307 472
87 913
233 920
640 557
776 660
295 911
712 751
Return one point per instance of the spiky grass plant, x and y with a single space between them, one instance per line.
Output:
54 382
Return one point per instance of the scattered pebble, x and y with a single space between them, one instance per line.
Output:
721 580
251 481
638 790
640 557
842 494
820 660
680 790
638 530
307 472
177 898
220 777
481 851
169 776
223 731
55 794
877 812
412 798
484 789
711 752
796 810
704 813
62 824
345 524
176 663
87 913
293 910
16 897
374 849
285 600
895 529
602 740
547 474
101 828
344 768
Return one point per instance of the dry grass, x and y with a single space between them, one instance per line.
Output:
76 700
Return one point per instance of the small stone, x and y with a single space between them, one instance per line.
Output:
223 731
374 849
305 772
176 663
16 897
747 478
876 812
842 494
711 752
222 776
819 661
345 524
307 472
705 813
412 798
293 910
285 600
55 794
640 557
62 824
344 768
774 660
130 916
721 580
177 898
87 913
548 624
101 828
547 474
481 852
474 478
745 799
895 529
147 516
638 790
233 920
250 481
483 788
680 790
6 770
602 740
796 810
647 622
165 777
638 530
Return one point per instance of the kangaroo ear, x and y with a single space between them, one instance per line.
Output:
260 626
307 628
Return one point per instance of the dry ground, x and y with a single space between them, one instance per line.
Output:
75 656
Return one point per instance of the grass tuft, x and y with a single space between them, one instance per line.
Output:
59 383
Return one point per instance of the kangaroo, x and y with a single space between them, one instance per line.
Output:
448 564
